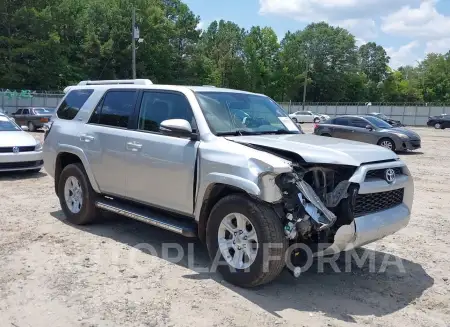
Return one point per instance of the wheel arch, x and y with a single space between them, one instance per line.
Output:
213 193
69 156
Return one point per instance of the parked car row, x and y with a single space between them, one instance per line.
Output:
308 117
33 117
19 150
370 129
439 122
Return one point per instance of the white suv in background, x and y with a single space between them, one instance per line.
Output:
305 117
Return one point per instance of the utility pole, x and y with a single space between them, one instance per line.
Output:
133 41
304 85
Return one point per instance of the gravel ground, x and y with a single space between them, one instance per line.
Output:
55 274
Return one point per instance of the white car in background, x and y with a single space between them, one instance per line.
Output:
323 117
18 149
305 117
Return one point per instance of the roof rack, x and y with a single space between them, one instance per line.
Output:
118 81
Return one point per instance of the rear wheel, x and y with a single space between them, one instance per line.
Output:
387 143
294 120
31 126
76 196
246 241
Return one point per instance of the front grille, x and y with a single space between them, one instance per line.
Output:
374 202
22 164
415 143
380 173
21 149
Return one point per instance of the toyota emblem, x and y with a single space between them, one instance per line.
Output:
390 175
16 149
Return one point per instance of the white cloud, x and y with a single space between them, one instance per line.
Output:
358 16
405 55
201 25
364 28
438 46
423 22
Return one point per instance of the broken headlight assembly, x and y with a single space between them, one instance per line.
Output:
316 201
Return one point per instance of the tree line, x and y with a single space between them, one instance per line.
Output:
49 44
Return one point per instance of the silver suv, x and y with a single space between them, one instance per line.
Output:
227 166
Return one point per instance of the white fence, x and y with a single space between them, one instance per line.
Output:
408 114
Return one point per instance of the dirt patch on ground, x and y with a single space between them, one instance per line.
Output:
55 274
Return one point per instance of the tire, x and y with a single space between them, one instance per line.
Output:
438 126
88 212
269 230
316 120
385 144
295 120
31 127
326 135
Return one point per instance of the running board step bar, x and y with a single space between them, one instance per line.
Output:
149 216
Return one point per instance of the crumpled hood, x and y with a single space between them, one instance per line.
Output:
16 138
320 149
412 135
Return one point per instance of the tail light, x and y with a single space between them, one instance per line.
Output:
47 128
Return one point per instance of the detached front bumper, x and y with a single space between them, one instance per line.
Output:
21 161
372 227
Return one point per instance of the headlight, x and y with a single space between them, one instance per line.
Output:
403 136
38 147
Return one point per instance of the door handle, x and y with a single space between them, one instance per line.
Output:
86 138
134 146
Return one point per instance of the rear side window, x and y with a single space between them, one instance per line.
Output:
341 121
115 109
73 102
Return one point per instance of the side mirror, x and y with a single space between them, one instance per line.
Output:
368 127
176 127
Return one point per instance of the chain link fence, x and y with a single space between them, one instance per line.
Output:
11 100
411 114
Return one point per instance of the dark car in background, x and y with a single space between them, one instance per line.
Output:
390 121
370 129
439 122
33 117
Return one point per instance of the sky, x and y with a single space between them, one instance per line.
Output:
407 29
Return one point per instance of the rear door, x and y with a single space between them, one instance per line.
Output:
104 139
18 117
342 128
360 133
161 168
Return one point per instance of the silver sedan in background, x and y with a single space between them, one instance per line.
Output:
370 129
19 150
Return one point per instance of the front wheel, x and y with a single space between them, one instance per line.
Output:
438 126
316 120
245 240
76 196
387 143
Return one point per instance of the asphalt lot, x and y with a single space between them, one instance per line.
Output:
56 274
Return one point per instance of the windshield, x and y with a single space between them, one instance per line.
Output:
233 113
7 125
43 111
378 122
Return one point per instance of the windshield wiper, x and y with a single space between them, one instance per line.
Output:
238 132
280 131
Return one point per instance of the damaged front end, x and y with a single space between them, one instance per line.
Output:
316 202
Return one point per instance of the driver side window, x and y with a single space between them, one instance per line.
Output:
360 123
159 106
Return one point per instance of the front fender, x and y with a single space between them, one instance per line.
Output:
218 178
80 154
